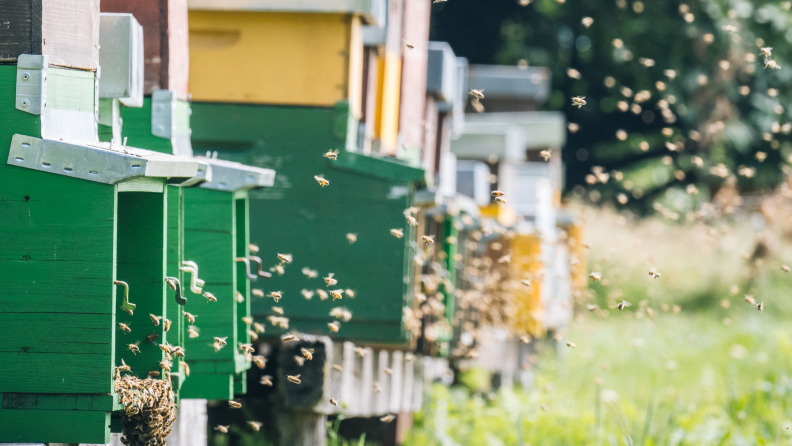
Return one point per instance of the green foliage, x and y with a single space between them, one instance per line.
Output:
476 379
720 103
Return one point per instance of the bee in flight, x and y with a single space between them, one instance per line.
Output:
428 239
234 405
209 297
294 379
478 94
621 305
222 429
579 101
398 233
322 182
124 327
331 154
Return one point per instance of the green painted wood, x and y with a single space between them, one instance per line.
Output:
173 261
211 386
242 282
85 334
141 263
366 197
450 250
240 384
137 128
14 121
55 373
71 89
54 426
54 401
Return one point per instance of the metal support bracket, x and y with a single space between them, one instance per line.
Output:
163 112
260 266
31 83
125 304
196 284
248 272
175 285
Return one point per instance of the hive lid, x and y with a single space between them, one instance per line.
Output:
232 176
106 163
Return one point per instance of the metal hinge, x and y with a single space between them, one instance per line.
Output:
31 83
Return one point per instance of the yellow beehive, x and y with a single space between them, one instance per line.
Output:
526 250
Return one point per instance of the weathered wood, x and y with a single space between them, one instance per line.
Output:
367 382
397 382
413 80
382 384
350 384
49 426
21 30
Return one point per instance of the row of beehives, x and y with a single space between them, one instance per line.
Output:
338 166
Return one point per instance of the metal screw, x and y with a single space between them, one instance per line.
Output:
25 103
25 77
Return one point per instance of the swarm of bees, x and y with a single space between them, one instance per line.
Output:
149 410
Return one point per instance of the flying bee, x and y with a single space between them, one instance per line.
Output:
350 293
377 388
217 346
784 268
545 154
165 364
388 418
500 200
351 237
285 258
124 327
221 341
525 339
153 374
307 294
337 294
331 155
239 297
621 305
388 371
190 317
247 320
192 332
257 292
322 294
258 327
134 349
570 344
595 276
478 94
329 280
266 380
277 310
360 351
504 259
178 351
247 348
294 379
398 233
760 307
731 29
299 360
591 307
409 45
165 348
526 282
155 319
773 65
332 401
307 352
654 274
166 324
334 326
766 51
409 357
222 429
253 335
260 361
579 101
209 297
152 337
337 368
289 338
497 193
255 425
587 21
750 299
276 295
123 367
322 182
411 220
234 405
428 239
128 311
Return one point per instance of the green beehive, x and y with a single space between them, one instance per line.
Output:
366 198
81 224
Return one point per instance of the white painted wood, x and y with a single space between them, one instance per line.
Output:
367 383
381 399
397 382
189 429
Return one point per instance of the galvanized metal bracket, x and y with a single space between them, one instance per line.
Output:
230 176
126 305
196 284
163 113
261 273
248 271
106 163
31 83
175 285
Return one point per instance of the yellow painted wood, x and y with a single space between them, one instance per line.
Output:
526 250
577 256
386 118
275 58
504 214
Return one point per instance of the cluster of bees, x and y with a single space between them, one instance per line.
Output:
149 409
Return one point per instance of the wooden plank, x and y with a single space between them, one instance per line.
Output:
174 311
55 373
381 397
57 333
70 33
208 210
71 90
55 401
413 80
397 382
154 185
241 220
210 387
178 48
21 30
55 426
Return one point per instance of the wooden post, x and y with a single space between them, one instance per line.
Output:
190 426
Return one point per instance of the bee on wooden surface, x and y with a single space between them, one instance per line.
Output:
360 351
123 367
579 101
258 327
152 337
322 294
428 239
165 364
166 324
266 380
260 361
388 418
595 276
478 94
337 368
351 237
307 294
621 305
332 401
398 233
784 268
294 379
299 360
239 297
165 348
190 317
337 294
289 338
124 327
257 292
654 274
277 310
760 307
254 249
322 182
570 344
192 331
331 155
247 320
234 405
178 351
128 311
276 295
334 326
222 429
307 352
255 425
766 51
155 319
134 349
500 200
209 297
